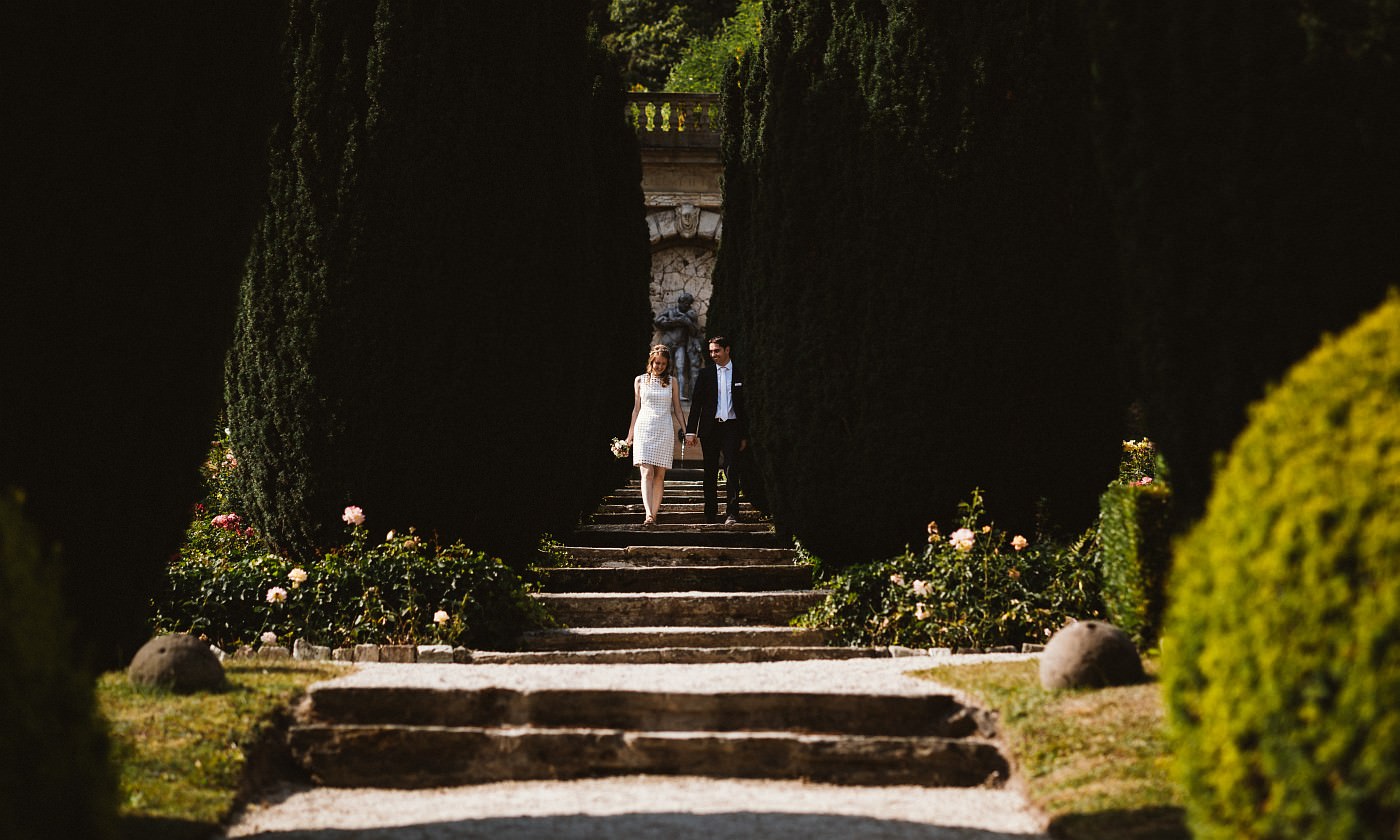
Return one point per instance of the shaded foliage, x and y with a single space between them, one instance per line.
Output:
55 780
1250 152
916 265
648 37
425 282
137 141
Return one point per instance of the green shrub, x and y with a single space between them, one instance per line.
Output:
54 779
997 590
1282 648
1134 543
228 587
396 278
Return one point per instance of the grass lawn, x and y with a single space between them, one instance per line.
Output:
181 757
1096 762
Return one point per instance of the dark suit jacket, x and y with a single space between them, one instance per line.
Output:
704 401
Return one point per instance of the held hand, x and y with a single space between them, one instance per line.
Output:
689 437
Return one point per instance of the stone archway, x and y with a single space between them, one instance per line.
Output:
684 241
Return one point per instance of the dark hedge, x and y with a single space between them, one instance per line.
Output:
135 144
1252 151
963 238
917 267
434 311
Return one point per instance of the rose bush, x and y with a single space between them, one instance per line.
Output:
407 589
976 587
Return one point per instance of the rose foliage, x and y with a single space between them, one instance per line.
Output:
975 587
225 585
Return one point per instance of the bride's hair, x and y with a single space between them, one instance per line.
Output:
664 352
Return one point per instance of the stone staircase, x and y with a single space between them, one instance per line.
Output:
676 658
680 591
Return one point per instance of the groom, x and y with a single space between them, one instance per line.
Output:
717 414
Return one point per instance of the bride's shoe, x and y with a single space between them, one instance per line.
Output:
648 522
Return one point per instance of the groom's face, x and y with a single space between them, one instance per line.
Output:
719 355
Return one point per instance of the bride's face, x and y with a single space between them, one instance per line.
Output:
658 365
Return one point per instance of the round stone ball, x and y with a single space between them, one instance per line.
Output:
178 663
1090 654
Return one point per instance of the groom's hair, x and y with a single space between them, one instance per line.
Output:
720 340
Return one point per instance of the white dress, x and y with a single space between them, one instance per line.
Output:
653 439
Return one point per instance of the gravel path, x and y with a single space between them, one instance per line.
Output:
651 807
841 676
646 808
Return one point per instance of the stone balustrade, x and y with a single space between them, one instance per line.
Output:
675 120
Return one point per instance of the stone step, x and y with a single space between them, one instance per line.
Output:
744 534
671 497
436 756
679 555
578 707
678 609
667 506
675 655
677 579
669 515
612 638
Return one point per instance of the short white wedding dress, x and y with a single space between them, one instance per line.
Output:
653 439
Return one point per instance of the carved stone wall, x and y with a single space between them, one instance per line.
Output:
681 187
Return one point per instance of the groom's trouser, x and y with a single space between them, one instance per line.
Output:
723 440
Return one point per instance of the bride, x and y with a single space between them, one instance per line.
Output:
656 418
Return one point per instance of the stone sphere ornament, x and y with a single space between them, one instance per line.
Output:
178 663
1090 654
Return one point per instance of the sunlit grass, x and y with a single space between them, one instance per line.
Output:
1096 762
181 757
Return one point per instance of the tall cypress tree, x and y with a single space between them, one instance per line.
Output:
436 297
1251 153
916 267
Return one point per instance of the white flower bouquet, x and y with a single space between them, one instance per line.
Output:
620 448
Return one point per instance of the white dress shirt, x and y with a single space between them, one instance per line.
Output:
724 403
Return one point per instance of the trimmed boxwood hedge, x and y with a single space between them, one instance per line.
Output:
1282 653
1134 555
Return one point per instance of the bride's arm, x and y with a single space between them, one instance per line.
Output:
676 413
636 408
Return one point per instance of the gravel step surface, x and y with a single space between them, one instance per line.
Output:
645 808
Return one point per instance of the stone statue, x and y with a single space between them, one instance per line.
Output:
679 329
688 220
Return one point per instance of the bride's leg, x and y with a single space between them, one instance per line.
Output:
658 489
647 503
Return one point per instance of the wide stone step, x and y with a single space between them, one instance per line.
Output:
677 579
606 638
676 655
746 534
678 609
435 756
934 714
679 555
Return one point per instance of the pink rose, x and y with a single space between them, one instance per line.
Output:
353 516
962 539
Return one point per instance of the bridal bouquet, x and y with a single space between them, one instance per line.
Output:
620 448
